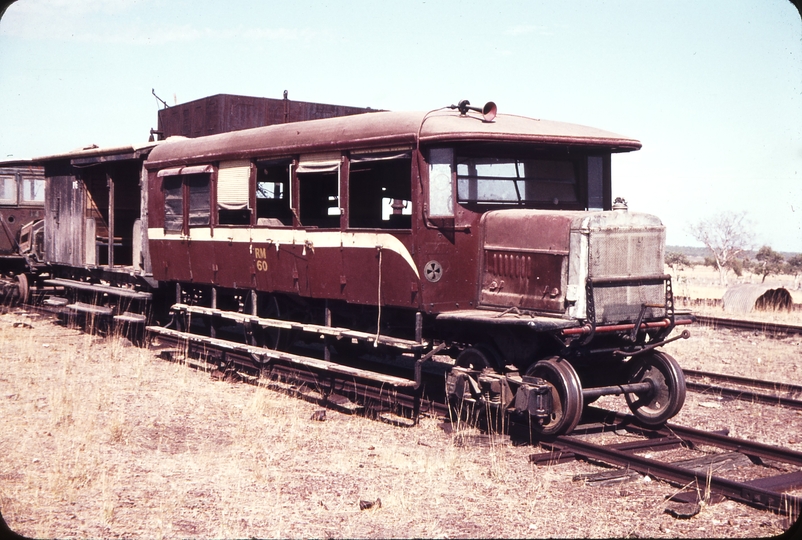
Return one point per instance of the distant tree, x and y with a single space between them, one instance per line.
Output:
738 266
726 235
794 265
768 262
677 261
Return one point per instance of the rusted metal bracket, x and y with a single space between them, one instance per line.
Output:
425 358
684 335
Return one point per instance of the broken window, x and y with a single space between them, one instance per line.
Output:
273 193
186 192
319 191
379 190
199 207
173 203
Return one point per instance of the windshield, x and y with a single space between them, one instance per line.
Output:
494 180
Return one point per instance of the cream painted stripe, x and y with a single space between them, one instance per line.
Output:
299 237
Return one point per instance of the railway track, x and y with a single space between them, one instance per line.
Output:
696 477
700 479
744 389
752 326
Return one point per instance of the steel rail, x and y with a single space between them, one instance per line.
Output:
745 394
738 491
774 328
745 381
697 436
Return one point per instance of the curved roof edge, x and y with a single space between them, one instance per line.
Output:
383 128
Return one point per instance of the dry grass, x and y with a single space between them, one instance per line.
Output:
100 439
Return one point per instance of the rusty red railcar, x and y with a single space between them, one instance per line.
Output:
493 238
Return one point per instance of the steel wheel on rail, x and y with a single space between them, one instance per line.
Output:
23 288
667 396
478 358
274 338
566 394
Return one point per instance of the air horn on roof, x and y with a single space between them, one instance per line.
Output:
488 111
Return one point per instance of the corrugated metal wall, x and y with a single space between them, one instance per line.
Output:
750 297
226 112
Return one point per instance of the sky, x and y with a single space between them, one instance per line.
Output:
712 89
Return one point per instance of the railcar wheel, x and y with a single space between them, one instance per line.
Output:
274 337
23 288
478 358
566 394
668 388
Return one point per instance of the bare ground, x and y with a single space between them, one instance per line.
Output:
100 439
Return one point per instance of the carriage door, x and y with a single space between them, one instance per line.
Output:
65 221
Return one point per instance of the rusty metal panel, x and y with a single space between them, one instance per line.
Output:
65 220
525 259
226 112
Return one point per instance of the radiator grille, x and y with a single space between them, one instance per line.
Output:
630 253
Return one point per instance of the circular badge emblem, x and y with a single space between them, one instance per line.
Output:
433 271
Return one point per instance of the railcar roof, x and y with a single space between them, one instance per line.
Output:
94 151
375 129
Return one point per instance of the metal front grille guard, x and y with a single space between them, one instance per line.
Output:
591 327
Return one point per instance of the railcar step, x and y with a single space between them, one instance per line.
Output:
98 288
307 361
133 318
80 307
339 333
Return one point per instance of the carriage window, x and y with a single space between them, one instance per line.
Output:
319 192
519 181
186 190
273 194
8 190
233 194
173 203
33 191
380 193
199 207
